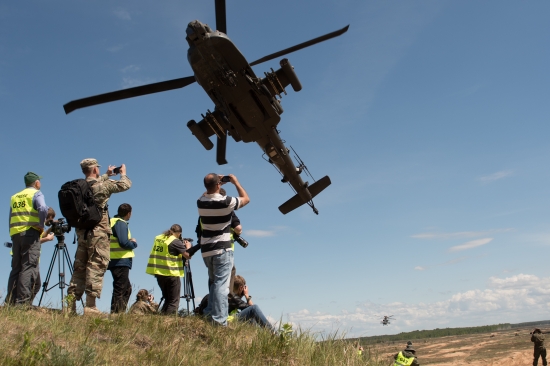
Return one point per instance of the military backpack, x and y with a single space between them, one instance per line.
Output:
77 204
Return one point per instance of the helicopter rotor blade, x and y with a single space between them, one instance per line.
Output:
128 93
300 46
221 24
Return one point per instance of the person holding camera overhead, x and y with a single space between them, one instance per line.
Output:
93 250
166 264
28 212
215 213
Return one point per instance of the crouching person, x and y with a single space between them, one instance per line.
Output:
144 304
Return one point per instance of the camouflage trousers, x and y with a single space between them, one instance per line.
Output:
90 263
539 352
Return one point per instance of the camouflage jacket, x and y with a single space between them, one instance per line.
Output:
103 189
538 338
144 307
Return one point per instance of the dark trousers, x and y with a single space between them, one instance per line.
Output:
170 286
24 265
539 352
122 289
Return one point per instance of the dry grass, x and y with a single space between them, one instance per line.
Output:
47 337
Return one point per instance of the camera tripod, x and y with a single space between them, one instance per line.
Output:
188 289
62 255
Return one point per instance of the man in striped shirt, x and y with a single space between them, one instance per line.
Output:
215 213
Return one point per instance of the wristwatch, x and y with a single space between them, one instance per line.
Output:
248 298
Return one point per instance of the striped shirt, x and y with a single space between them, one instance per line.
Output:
215 213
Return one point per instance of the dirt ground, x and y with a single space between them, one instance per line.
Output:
498 348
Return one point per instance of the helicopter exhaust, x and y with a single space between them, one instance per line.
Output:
298 201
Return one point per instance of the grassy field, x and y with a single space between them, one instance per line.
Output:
39 336
507 347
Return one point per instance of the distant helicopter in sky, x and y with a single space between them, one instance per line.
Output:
246 106
386 320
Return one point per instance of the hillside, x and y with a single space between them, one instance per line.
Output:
39 336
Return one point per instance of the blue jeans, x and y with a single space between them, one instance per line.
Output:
219 272
255 315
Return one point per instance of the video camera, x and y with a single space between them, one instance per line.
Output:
8 244
59 226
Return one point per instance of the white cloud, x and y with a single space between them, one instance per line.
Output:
259 233
512 299
130 68
121 13
419 268
470 244
116 48
131 82
457 235
496 176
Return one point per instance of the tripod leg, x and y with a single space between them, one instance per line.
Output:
47 279
61 267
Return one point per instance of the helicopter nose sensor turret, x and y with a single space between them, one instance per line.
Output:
196 31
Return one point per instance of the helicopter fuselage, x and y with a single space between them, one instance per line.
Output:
246 108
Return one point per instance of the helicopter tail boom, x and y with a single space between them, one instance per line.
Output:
298 201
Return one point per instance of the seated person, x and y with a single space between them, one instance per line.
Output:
239 309
144 303
248 310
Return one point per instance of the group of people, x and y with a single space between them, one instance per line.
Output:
109 245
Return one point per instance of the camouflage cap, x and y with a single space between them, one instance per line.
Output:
410 347
31 177
86 163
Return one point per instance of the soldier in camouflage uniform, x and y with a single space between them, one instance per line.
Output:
93 251
539 350
144 304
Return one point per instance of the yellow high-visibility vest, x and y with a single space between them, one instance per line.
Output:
23 215
161 262
118 252
402 360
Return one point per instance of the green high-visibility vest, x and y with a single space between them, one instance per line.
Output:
118 252
23 215
402 360
163 263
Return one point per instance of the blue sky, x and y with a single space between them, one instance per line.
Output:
431 118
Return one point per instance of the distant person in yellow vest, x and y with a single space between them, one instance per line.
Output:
122 252
539 350
166 264
28 212
144 304
407 357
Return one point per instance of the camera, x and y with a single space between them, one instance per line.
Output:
8 244
59 227
240 240
225 179
117 169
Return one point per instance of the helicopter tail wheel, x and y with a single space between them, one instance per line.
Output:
200 135
291 75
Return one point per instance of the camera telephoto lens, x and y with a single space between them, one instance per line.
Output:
241 241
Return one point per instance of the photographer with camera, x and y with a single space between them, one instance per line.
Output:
215 217
122 252
144 304
93 251
28 213
166 264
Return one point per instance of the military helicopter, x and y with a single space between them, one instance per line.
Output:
246 106
386 320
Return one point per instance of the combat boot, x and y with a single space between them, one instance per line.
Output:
90 308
